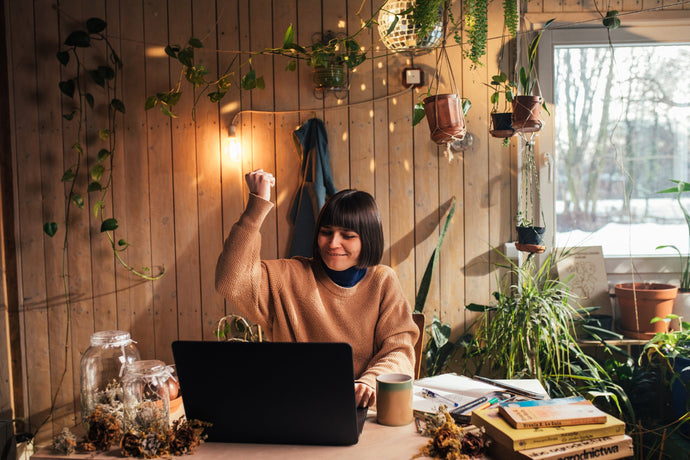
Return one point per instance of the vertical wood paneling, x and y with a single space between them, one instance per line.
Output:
31 239
158 145
136 154
103 276
50 117
263 124
208 166
287 101
176 196
361 114
185 187
334 18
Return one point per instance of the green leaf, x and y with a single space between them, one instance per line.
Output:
78 200
68 176
97 207
78 148
78 38
117 105
260 83
69 116
63 57
418 114
94 187
50 228
186 57
224 83
195 43
195 75
172 51
95 25
151 102
97 172
89 99
97 78
122 242
103 154
167 111
216 96
109 225
249 80
291 66
104 134
107 72
289 37
67 87
612 21
393 24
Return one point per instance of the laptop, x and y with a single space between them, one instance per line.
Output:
270 392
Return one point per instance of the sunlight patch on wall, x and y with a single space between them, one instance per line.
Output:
156 51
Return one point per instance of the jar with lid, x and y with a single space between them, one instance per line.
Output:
146 395
102 367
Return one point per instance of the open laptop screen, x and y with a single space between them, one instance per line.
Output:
269 392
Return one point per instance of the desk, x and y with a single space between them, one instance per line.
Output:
376 442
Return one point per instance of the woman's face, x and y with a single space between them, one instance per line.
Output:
339 247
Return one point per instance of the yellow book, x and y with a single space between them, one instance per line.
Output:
519 439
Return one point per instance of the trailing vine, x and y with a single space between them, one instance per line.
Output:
476 29
83 88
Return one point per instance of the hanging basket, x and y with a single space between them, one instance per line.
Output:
444 115
526 112
405 33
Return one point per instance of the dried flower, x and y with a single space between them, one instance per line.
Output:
65 442
450 442
187 435
104 431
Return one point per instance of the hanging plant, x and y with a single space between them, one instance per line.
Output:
476 26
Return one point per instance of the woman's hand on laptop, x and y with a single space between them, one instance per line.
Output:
365 396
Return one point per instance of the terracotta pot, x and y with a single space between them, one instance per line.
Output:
653 300
526 112
444 115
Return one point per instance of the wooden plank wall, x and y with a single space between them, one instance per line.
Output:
176 195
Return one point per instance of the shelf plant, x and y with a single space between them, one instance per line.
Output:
679 189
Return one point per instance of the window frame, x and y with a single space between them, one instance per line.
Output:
650 26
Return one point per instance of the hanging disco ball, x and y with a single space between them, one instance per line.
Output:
404 36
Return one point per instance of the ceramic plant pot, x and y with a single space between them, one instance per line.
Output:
444 115
530 235
653 300
502 124
681 307
526 112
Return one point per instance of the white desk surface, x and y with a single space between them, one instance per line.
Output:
376 442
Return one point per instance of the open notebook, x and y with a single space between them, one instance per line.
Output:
270 392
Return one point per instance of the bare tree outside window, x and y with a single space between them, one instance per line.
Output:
622 132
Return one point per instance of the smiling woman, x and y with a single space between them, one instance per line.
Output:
342 294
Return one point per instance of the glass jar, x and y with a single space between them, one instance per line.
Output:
146 395
102 367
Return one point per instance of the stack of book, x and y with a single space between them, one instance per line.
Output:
555 429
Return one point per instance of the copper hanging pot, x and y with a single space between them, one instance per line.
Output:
445 118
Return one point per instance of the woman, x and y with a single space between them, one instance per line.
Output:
341 294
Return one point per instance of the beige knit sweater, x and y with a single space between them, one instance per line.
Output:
294 300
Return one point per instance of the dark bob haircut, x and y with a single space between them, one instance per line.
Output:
357 211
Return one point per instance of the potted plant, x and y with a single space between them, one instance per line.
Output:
527 105
501 118
530 235
528 333
672 348
639 303
682 303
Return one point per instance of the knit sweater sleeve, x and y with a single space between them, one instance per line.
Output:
395 334
241 277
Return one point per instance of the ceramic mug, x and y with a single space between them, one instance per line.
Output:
394 399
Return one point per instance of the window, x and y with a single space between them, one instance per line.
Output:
619 131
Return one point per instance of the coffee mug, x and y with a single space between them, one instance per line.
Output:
394 399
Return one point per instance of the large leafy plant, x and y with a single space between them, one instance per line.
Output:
679 189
